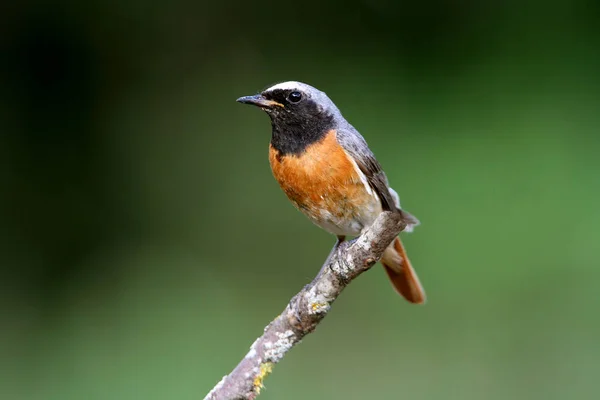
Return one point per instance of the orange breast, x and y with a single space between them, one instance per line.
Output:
322 182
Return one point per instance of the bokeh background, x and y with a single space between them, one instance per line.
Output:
144 243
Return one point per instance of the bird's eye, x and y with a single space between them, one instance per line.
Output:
295 97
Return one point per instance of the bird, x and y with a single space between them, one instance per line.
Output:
326 169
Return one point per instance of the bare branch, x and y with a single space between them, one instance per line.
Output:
307 309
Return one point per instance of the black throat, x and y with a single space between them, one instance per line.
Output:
293 133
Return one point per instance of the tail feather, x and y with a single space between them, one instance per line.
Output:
401 273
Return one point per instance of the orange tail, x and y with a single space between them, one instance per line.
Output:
401 273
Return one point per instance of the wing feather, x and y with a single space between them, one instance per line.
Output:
356 146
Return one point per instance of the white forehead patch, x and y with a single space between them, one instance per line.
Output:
290 85
325 104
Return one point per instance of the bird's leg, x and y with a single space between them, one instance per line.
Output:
295 302
340 240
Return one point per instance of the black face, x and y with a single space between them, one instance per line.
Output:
299 123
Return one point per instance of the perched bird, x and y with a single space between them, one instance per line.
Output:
327 170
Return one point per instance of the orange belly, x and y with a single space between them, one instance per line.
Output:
324 183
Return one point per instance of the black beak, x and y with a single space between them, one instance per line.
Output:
259 101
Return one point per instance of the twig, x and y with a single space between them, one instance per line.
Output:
307 309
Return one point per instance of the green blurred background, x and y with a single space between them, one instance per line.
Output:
145 244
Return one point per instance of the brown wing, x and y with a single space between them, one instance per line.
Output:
356 146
